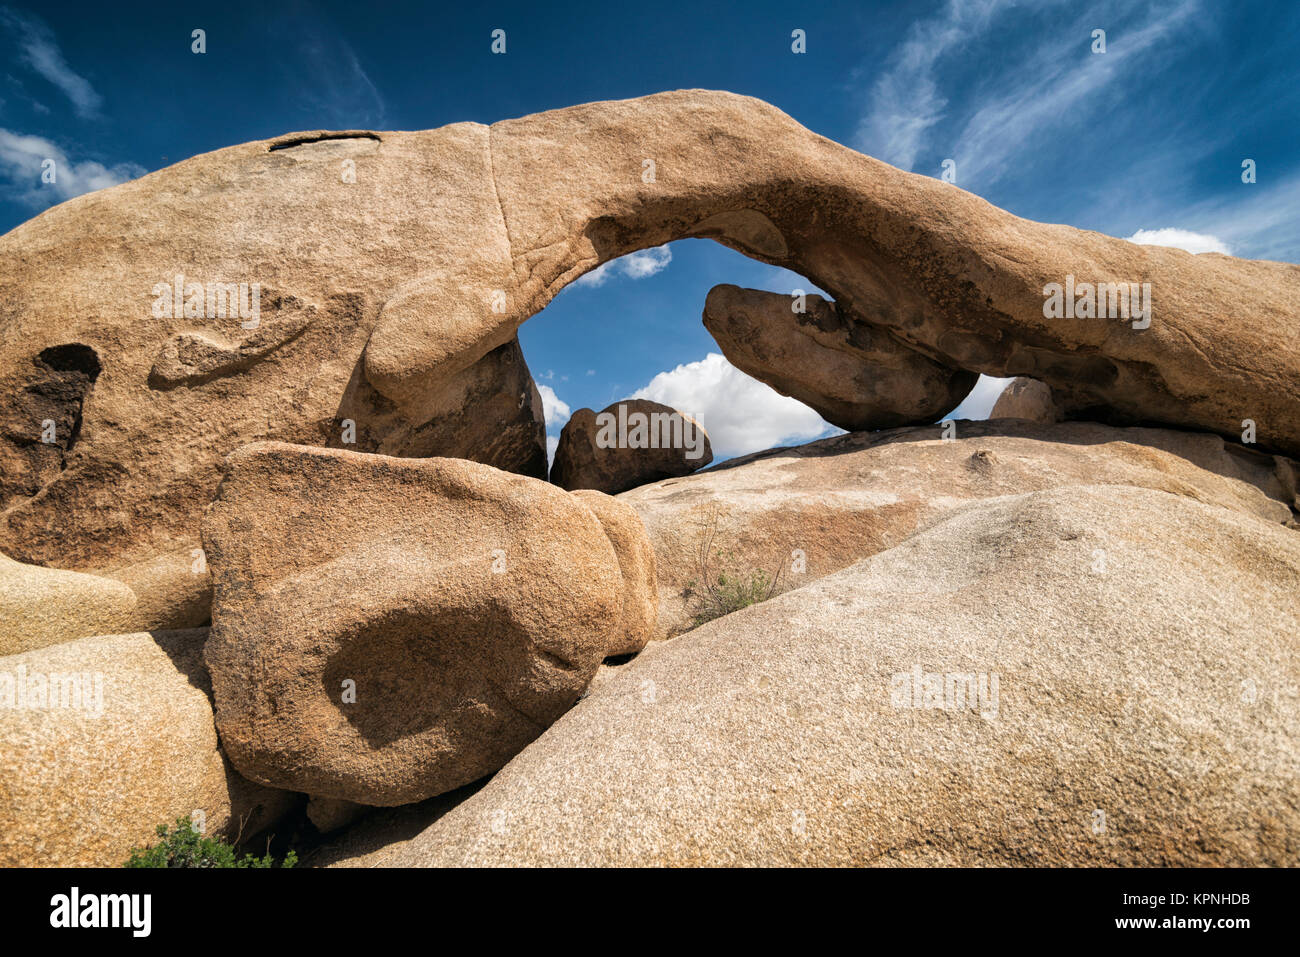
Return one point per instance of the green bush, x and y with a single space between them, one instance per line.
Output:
184 846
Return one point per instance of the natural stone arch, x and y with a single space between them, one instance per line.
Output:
943 271
399 268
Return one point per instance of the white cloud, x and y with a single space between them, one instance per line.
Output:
555 409
325 74
979 403
557 412
41 52
636 265
1061 86
1180 239
1029 99
741 414
21 159
905 101
1257 221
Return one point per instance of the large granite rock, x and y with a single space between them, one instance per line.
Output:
1026 399
1093 675
814 509
44 606
829 359
636 560
104 738
629 443
387 629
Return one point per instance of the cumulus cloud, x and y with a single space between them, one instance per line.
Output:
555 409
21 159
39 51
557 412
636 265
741 414
1181 239
979 403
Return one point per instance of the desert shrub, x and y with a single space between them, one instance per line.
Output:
184 846
719 587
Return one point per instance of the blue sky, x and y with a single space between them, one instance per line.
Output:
1148 136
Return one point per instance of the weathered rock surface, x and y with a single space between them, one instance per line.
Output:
142 421
489 600
332 814
822 506
1026 399
636 560
44 606
629 443
831 360
1144 713
124 744
388 263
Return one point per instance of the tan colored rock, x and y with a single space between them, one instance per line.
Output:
636 560
1142 714
822 506
1026 399
46 606
829 359
629 443
172 589
386 629
379 288
126 744
331 814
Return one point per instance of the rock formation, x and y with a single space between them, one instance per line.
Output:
1026 399
44 606
102 739
984 693
817 508
388 625
831 360
629 443
387 264
636 560
387 629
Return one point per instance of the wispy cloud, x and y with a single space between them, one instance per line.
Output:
1058 87
326 75
40 51
22 163
905 101
1257 220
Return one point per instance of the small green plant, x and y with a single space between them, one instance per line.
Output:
184 846
719 588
